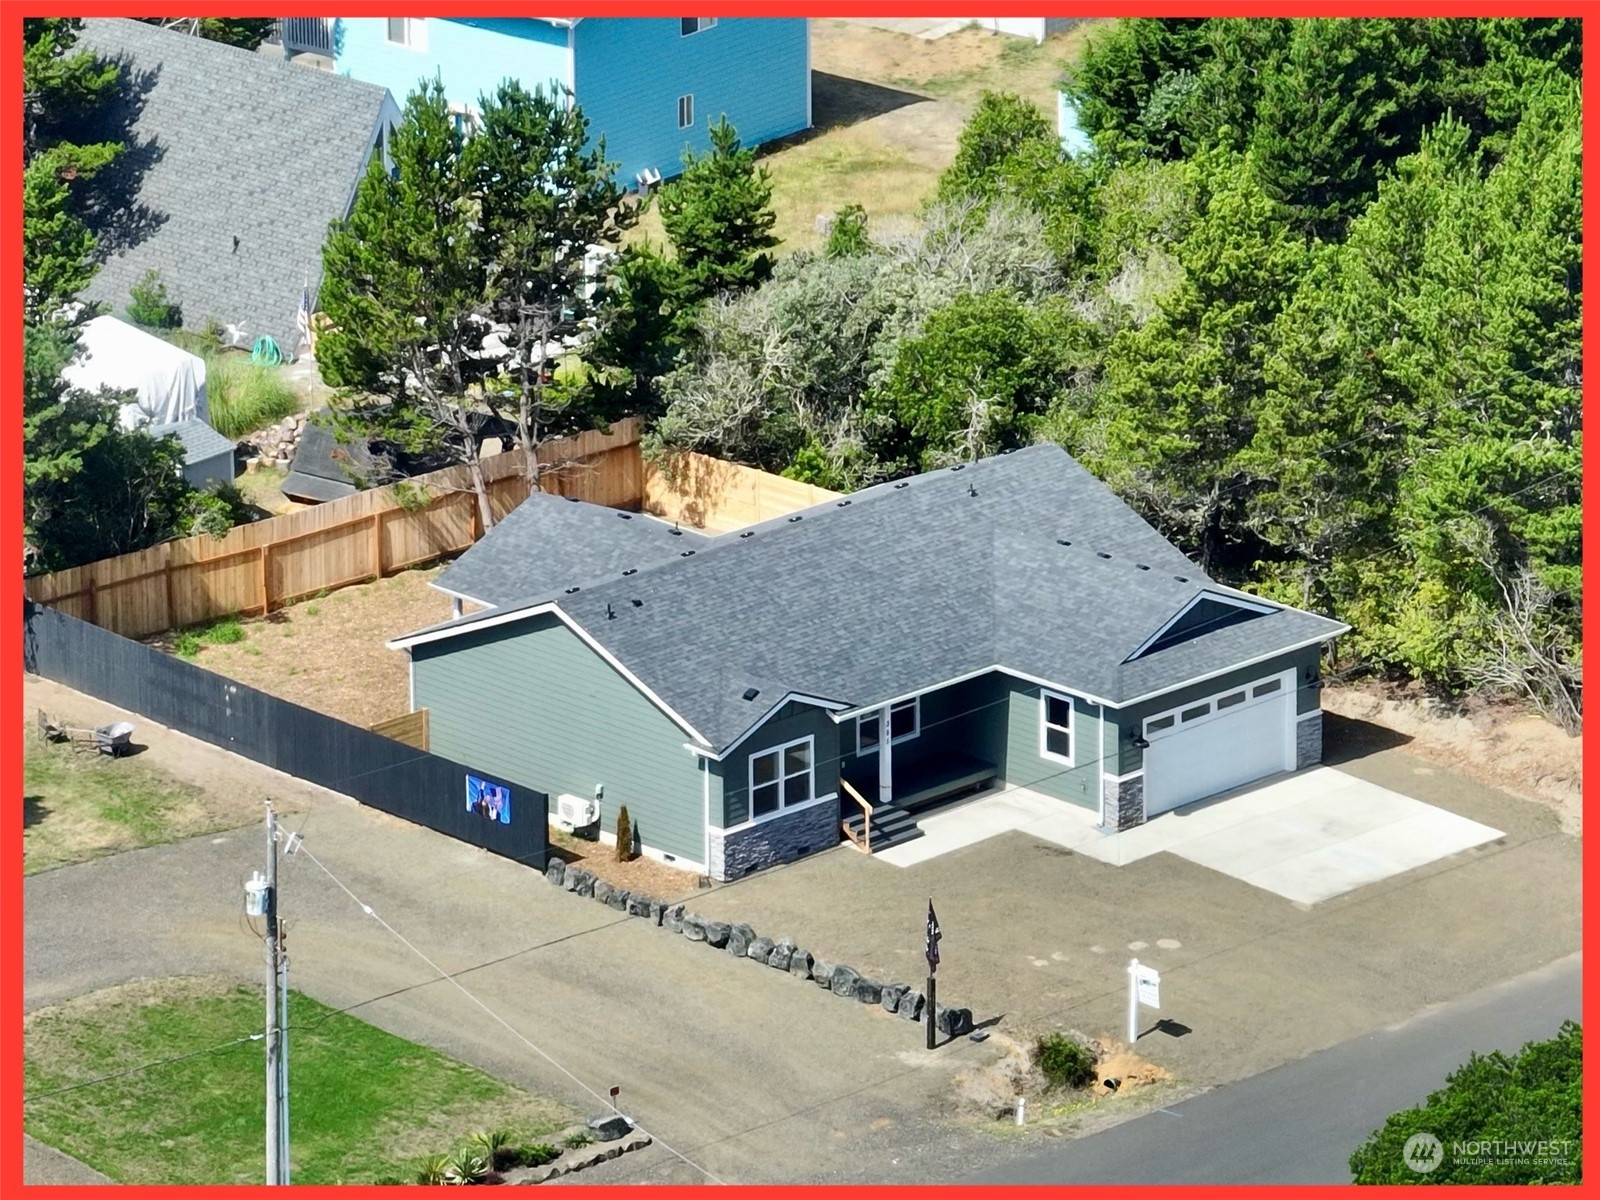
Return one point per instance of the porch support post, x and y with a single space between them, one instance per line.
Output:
885 759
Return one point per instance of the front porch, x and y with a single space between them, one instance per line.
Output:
876 814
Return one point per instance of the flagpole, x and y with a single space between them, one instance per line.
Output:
931 1006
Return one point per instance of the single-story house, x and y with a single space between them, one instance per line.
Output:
651 86
1004 622
235 164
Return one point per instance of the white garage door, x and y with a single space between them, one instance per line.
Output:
1219 743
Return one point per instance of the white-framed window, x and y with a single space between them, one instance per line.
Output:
689 25
406 31
1055 727
686 111
781 778
905 723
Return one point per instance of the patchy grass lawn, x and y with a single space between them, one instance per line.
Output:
78 805
326 652
365 1103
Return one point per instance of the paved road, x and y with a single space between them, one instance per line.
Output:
1299 1123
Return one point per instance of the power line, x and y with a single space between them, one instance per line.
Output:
509 1028
149 1066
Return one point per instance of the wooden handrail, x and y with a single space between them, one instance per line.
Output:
866 813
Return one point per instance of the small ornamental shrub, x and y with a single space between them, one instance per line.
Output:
151 307
1066 1063
624 835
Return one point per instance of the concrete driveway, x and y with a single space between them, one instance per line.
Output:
1306 837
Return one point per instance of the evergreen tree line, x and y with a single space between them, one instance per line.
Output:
1312 305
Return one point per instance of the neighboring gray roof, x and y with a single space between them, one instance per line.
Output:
549 543
905 585
225 143
200 441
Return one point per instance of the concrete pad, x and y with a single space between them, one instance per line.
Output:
1306 837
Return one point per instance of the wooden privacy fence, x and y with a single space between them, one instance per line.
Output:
411 728
258 567
719 496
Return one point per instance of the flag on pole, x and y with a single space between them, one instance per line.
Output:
302 319
933 940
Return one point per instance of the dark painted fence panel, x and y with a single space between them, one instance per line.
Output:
375 770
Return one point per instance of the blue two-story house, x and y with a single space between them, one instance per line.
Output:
652 87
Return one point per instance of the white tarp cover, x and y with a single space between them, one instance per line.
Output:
169 381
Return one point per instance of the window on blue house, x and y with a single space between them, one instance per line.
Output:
780 778
685 111
696 24
405 31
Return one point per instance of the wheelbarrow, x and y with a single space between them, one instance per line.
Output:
114 738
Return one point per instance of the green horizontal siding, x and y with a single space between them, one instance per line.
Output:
793 722
532 702
1025 767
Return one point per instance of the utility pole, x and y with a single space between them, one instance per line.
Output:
261 900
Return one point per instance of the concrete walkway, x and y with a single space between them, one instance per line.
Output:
1307 837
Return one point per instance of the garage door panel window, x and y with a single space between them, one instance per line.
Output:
781 778
1195 713
1230 701
1055 733
1267 688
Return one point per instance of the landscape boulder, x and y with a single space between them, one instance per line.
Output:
760 949
640 906
717 934
601 891
844 980
672 919
739 939
822 972
911 1005
891 995
657 913
694 927
799 963
585 882
952 1022
781 955
869 991
556 871
610 1127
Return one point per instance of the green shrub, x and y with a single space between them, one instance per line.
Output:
223 632
495 1145
245 396
576 1141
218 509
430 1171
186 644
465 1165
1066 1063
624 835
535 1155
152 308
413 497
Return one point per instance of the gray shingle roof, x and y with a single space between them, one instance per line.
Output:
549 543
907 585
232 144
200 441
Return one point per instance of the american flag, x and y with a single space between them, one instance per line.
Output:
933 940
302 319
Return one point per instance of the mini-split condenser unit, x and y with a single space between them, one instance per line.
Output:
576 812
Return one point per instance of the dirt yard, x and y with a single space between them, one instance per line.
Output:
328 652
1501 745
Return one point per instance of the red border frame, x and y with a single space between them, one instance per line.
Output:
11 889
